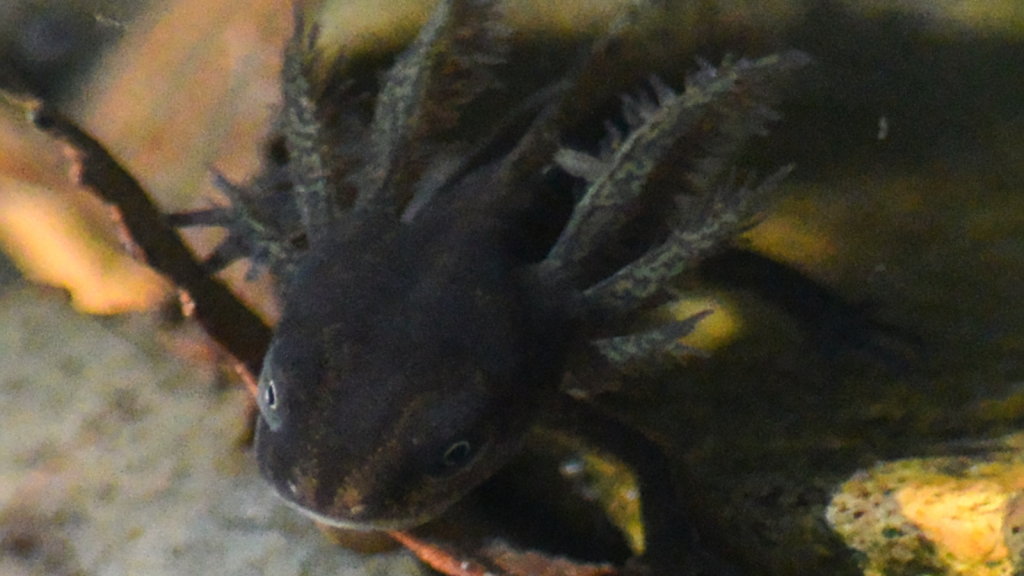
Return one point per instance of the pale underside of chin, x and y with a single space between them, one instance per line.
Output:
363 524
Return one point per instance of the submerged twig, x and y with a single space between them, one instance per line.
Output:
240 331
441 560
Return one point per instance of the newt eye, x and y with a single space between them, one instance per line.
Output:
270 396
458 454
267 400
267 397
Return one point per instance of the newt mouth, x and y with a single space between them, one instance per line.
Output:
349 523
356 516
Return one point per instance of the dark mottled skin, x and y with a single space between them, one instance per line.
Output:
415 338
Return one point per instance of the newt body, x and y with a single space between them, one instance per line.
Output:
421 330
